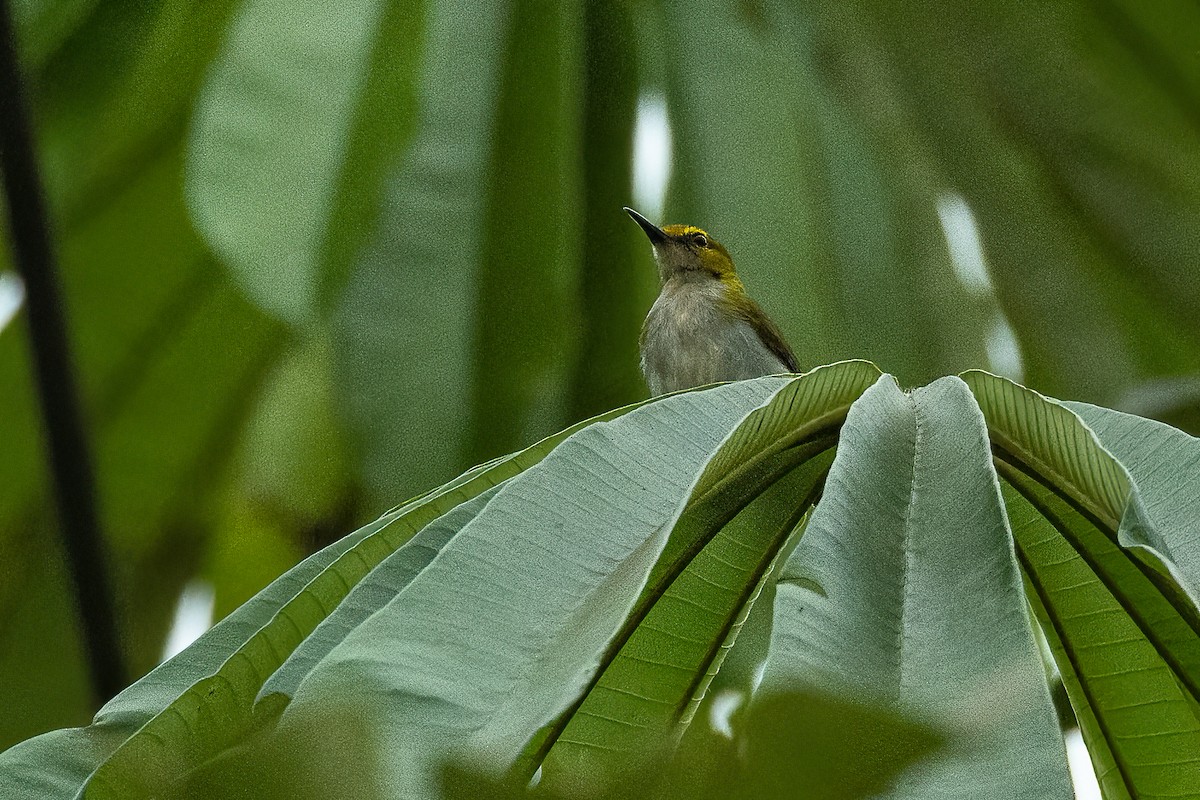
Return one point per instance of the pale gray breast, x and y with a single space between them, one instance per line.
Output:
688 341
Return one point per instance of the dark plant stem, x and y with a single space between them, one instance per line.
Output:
69 457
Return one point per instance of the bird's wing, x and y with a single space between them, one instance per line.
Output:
768 333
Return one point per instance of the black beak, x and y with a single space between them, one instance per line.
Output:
654 232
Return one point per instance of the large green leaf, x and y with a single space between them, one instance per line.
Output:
1047 440
371 593
537 636
435 289
180 737
1112 581
1172 627
747 504
243 649
1163 463
203 701
905 589
434 687
277 131
565 609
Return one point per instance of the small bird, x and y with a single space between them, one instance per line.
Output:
703 328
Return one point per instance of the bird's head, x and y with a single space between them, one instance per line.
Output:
685 251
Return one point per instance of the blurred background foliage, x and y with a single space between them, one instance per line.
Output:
319 257
834 748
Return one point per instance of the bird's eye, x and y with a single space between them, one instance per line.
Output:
700 240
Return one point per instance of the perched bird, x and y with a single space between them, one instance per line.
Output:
703 328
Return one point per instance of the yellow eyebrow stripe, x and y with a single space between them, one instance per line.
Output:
681 230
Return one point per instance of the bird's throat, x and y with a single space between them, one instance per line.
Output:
692 337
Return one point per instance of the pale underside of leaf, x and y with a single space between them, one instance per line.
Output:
905 589
174 741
